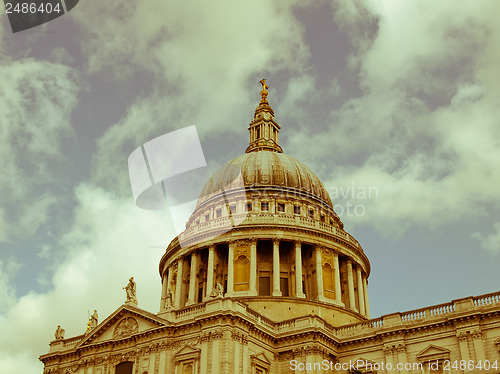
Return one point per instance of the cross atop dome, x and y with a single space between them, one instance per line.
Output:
264 129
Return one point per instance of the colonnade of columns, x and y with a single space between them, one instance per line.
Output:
357 292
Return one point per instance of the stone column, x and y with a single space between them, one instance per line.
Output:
350 283
338 291
365 291
319 274
361 295
276 268
216 359
204 339
245 355
236 356
230 270
402 359
178 284
192 280
164 284
298 271
477 340
388 350
210 270
253 267
464 345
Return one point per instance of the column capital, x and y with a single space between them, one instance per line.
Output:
276 240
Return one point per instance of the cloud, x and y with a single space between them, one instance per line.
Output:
203 57
110 241
36 101
425 130
490 242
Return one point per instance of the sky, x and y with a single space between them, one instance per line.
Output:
394 104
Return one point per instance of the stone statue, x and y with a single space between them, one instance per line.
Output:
263 93
130 290
94 319
218 290
169 300
59 333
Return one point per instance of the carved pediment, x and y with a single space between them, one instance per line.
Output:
186 353
260 359
433 352
121 324
363 363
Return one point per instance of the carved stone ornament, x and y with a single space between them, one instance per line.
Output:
462 336
388 349
125 328
477 334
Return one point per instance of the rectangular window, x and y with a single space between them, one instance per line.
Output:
264 206
218 213
311 213
322 218
265 286
284 286
200 294
249 207
207 217
281 207
232 209
296 209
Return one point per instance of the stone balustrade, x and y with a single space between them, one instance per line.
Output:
226 224
408 318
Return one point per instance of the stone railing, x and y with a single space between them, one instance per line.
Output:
192 311
395 320
422 315
68 343
226 224
488 299
428 312
359 327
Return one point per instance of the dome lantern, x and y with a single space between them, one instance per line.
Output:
264 130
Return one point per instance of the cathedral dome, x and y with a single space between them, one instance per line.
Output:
264 168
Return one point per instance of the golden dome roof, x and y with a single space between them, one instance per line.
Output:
266 169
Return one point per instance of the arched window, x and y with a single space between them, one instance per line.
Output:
187 369
242 274
328 281
124 368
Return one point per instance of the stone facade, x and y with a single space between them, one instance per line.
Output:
265 280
